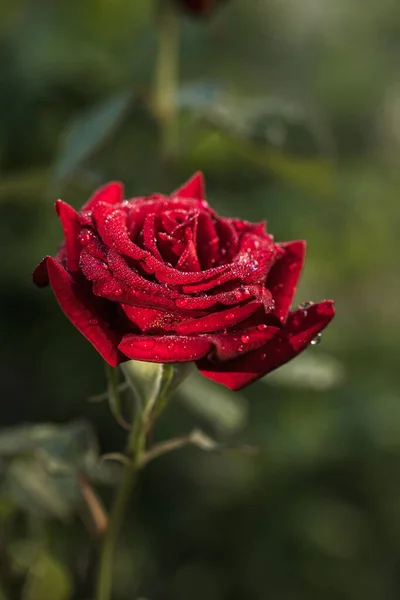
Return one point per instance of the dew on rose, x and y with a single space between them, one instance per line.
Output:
317 340
251 253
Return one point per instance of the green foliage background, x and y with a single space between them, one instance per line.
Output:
292 110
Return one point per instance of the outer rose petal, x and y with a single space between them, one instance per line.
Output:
40 275
164 348
111 193
194 188
229 345
300 329
284 276
80 309
70 223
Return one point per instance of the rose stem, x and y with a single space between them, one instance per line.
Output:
166 78
134 449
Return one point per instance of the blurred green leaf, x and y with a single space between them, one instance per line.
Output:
42 465
42 493
72 444
313 174
308 371
88 132
47 579
271 134
226 412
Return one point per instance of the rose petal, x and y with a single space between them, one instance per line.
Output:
112 227
147 319
228 240
150 235
80 308
70 223
207 242
257 255
193 188
231 344
172 276
284 275
225 298
164 348
111 193
40 275
189 260
299 331
242 227
220 320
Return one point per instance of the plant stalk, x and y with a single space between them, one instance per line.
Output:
134 449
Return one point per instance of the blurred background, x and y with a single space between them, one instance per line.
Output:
292 111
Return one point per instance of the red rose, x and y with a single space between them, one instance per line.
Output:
199 7
165 279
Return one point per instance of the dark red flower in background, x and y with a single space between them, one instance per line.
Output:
165 279
199 7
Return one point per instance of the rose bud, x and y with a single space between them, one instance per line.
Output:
166 279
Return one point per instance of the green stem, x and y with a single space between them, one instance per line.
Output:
134 449
166 78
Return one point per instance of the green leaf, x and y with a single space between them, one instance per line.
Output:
88 132
47 578
72 444
36 490
42 466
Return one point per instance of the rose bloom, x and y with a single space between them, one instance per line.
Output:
165 279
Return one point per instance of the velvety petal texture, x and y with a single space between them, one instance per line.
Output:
165 279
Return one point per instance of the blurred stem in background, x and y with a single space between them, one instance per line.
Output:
166 78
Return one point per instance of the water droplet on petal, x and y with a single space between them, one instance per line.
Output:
118 292
93 321
242 294
245 339
262 327
306 304
182 302
263 356
147 344
254 264
316 340
240 348
84 237
230 316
